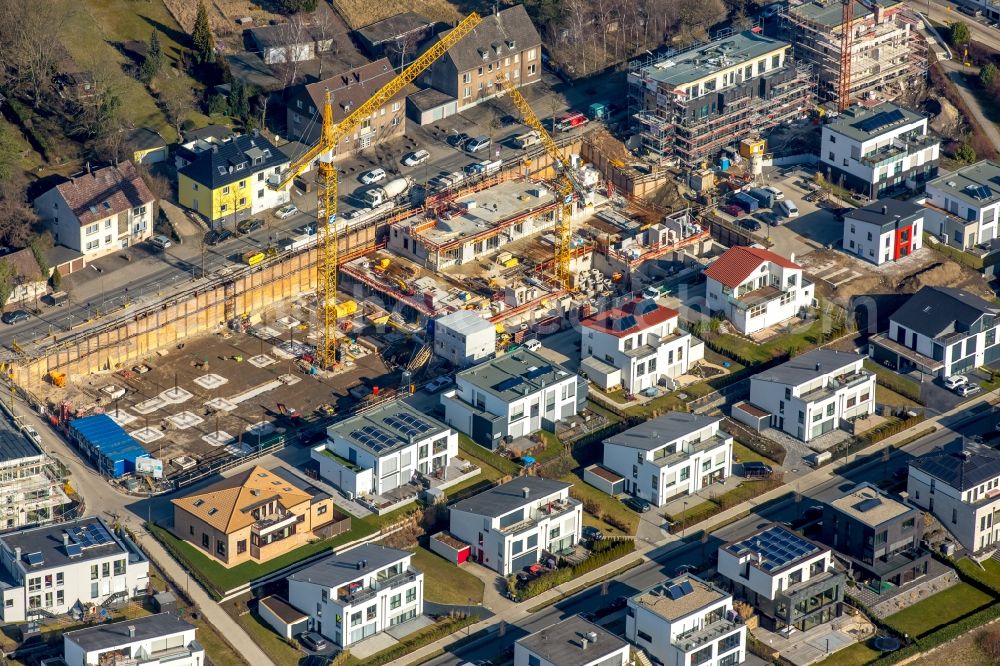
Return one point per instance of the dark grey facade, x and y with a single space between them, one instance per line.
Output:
803 606
919 175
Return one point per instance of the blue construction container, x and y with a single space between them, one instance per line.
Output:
113 450
764 197
746 202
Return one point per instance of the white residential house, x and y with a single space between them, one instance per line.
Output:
641 339
756 289
54 568
965 205
358 593
514 395
381 450
99 211
572 642
790 580
879 150
883 231
685 621
812 394
511 525
463 338
960 484
152 640
678 453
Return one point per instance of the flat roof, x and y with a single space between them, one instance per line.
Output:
976 185
501 500
341 568
387 428
862 123
776 548
867 504
831 14
515 375
45 545
809 366
465 322
662 430
14 444
696 64
561 644
678 597
104 636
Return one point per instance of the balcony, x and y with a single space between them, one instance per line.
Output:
694 640
898 148
358 593
276 522
687 450
543 512
835 384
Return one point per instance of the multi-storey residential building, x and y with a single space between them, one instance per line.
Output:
252 516
883 231
678 453
789 579
887 55
503 44
358 593
148 641
756 288
348 91
878 150
941 331
690 105
879 535
31 490
640 338
383 449
811 394
515 395
99 211
231 180
572 642
511 525
686 621
463 338
960 484
965 205
54 568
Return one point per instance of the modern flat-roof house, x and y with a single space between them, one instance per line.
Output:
677 453
811 394
941 331
685 621
252 516
572 642
358 593
789 579
879 150
967 205
756 289
879 535
960 484
384 449
51 569
463 338
154 639
512 396
883 231
510 526
642 340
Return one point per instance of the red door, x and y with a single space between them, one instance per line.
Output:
904 242
463 554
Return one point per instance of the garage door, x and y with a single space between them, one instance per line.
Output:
521 561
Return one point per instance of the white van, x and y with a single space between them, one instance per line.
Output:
533 344
787 208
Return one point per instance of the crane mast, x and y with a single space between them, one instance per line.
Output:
846 40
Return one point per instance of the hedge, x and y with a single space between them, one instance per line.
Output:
953 253
890 380
603 552
888 430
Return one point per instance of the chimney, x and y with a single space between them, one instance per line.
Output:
358 565
818 366
65 539
131 631
88 168
885 209
791 257
525 492
592 637
583 642
17 552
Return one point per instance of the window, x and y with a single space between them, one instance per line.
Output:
480 71
322 510
881 538
371 613
706 465
829 409
954 516
516 547
685 473
93 229
554 533
467 77
644 636
355 619
395 601
105 569
220 547
59 579
908 524
204 540
533 541
241 546
34 584
93 572
94 590
120 567
533 660
531 70
225 190
468 91
531 54
107 223
60 597
411 595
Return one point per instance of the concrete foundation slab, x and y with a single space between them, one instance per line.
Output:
218 438
149 406
210 381
185 420
261 360
175 395
147 435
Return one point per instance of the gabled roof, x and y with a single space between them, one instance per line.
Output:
25 265
144 138
937 312
662 430
738 263
498 36
232 160
348 90
633 316
807 367
227 505
962 465
101 193
394 27
501 500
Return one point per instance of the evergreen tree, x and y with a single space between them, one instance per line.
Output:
959 33
988 74
204 41
966 153
239 101
154 58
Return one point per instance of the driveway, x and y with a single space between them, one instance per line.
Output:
957 72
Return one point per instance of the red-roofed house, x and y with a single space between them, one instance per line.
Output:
755 288
641 339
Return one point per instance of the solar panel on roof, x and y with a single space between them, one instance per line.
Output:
627 322
74 550
404 428
412 420
868 504
980 192
508 384
35 559
646 306
675 592
538 372
880 120
686 587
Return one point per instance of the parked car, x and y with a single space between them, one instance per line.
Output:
416 157
160 242
733 210
593 533
754 469
313 641
533 345
636 504
438 384
216 236
286 211
775 192
477 144
15 316
458 140
955 381
965 390
33 434
249 226
373 176
750 224
787 208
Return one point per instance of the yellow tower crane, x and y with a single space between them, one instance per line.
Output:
561 277
326 193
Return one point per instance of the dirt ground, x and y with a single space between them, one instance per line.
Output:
359 13
963 651
222 14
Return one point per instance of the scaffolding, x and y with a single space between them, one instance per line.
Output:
32 492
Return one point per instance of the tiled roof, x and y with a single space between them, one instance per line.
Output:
99 194
348 90
631 317
497 35
737 264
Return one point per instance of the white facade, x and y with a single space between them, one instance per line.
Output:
703 635
133 642
675 454
653 350
463 338
744 570
874 243
970 197
810 395
541 517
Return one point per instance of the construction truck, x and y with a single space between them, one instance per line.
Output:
392 191
254 257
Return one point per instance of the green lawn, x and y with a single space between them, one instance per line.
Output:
991 575
885 396
938 610
269 641
854 655
609 505
798 341
902 385
446 583
553 447
480 453
744 454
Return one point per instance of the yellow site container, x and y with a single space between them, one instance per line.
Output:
510 263
751 147
346 308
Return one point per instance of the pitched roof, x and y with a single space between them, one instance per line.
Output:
104 192
283 34
937 312
737 264
143 138
633 316
497 35
961 464
227 505
393 27
808 366
662 430
25 265
233 159
350 89
885 212
503 499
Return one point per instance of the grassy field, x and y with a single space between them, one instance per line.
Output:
991 575
446 583
268 640
609 506
898 383
743 454
938 610
884 396
358 13
799 340
855 655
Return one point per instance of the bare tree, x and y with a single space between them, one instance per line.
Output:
26 32
177 103
293 34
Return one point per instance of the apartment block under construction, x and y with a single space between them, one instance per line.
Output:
887 52
31 486
689 105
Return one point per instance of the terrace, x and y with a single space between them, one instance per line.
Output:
897 148
355 593
687 450
550 510
709 633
